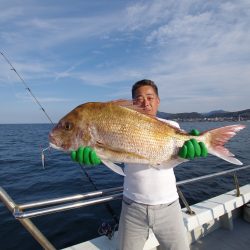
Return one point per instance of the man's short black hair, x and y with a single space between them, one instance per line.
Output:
144 82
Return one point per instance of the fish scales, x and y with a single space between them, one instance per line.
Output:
128 131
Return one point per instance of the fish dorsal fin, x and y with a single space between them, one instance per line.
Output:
129 104
122 102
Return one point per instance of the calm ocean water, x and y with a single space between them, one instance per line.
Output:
22 176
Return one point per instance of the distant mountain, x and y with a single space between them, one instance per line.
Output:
164 115
213 115
214 112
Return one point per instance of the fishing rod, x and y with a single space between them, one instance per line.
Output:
105 228
27 87
33 97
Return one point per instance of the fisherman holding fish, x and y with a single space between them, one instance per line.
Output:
150 198
149 147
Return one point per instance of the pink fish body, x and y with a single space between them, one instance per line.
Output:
118 133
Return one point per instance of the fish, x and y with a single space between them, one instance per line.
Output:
121 132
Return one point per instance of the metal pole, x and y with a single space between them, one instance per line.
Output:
37 234
114 195
237 186
70 198
189 210
27 223
43 211
211 175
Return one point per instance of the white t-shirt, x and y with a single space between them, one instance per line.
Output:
148 185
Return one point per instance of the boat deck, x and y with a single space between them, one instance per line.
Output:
220 239
218 224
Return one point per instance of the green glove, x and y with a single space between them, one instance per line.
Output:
86 156
192 148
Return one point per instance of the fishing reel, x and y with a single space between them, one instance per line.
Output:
108 229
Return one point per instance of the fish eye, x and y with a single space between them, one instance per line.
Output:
68 126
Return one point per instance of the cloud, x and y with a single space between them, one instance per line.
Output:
27 98
109 77
44 32
204 49
196 51
207 27
140 15
10 13
181 30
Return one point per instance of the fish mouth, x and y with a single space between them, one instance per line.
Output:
61 147
52 145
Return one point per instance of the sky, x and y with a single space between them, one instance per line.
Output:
72 52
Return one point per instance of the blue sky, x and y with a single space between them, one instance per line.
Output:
71 52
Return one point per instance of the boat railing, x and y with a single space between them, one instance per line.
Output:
23 212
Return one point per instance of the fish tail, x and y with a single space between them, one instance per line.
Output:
220 136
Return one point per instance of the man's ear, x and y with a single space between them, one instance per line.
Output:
159 101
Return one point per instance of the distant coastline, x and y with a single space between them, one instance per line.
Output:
213 116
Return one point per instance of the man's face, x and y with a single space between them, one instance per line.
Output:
146 98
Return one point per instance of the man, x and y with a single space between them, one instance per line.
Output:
150 198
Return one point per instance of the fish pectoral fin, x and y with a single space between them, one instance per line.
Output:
171 163
113 167
100 144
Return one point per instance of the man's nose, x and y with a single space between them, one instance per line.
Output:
145 102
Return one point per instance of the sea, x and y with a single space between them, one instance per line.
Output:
25 180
